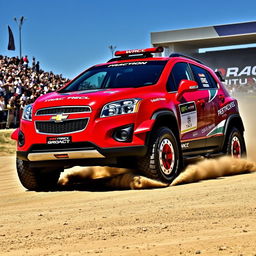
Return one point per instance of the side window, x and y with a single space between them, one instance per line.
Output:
203 78
179 72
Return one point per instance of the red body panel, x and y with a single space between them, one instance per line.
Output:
208 111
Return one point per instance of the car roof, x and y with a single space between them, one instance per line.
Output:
138 58
147 55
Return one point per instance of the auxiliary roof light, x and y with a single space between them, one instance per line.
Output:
139 51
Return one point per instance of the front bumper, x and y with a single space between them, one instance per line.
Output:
99 131
94 145
39 153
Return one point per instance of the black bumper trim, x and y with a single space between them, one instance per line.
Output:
107 152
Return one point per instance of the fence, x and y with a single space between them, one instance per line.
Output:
9 118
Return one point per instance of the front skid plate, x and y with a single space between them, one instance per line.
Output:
64 155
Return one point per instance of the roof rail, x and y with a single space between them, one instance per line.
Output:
176 54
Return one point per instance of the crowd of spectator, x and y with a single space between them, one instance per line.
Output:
22 84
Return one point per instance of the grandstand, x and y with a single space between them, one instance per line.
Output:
221 47
20 85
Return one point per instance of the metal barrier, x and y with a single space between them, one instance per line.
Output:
9 118
3 118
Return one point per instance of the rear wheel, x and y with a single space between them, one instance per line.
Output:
236 145
37 179
163 160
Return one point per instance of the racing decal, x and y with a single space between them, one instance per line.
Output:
219 129
185 145
206 129
59 140
157 99
203 80
226 108
78 98
188 117
54 99
212 94
68 98
128 64
195 134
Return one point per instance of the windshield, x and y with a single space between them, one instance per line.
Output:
120 75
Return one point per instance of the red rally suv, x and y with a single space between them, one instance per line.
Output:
136 111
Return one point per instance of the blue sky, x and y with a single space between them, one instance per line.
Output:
69 36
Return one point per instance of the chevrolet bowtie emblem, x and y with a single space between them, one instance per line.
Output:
59 118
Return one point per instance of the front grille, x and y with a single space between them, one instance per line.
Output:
63 110
67 126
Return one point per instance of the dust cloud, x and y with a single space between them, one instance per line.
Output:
247 105
78 174
214 168
120 178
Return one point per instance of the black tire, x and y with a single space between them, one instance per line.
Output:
164 160
235 145
36 179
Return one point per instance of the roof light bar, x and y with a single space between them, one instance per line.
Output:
139 51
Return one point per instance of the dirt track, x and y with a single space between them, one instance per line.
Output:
212 217
215 217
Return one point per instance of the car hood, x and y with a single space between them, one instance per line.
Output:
93 98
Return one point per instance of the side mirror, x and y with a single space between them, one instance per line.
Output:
186 86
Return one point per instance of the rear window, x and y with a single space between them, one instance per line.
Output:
203 78
119 75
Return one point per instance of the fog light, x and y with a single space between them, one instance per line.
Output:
21 139
124 133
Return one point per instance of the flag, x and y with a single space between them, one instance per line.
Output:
11 45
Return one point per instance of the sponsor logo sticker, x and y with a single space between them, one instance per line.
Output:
188 117
185 145
58 140
128 64
226 108
157 99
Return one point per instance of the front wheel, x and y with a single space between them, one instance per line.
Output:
36 179
163 160
235 146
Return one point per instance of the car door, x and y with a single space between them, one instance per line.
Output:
190 109
208 88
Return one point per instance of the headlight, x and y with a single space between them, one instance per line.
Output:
120 107
27 112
